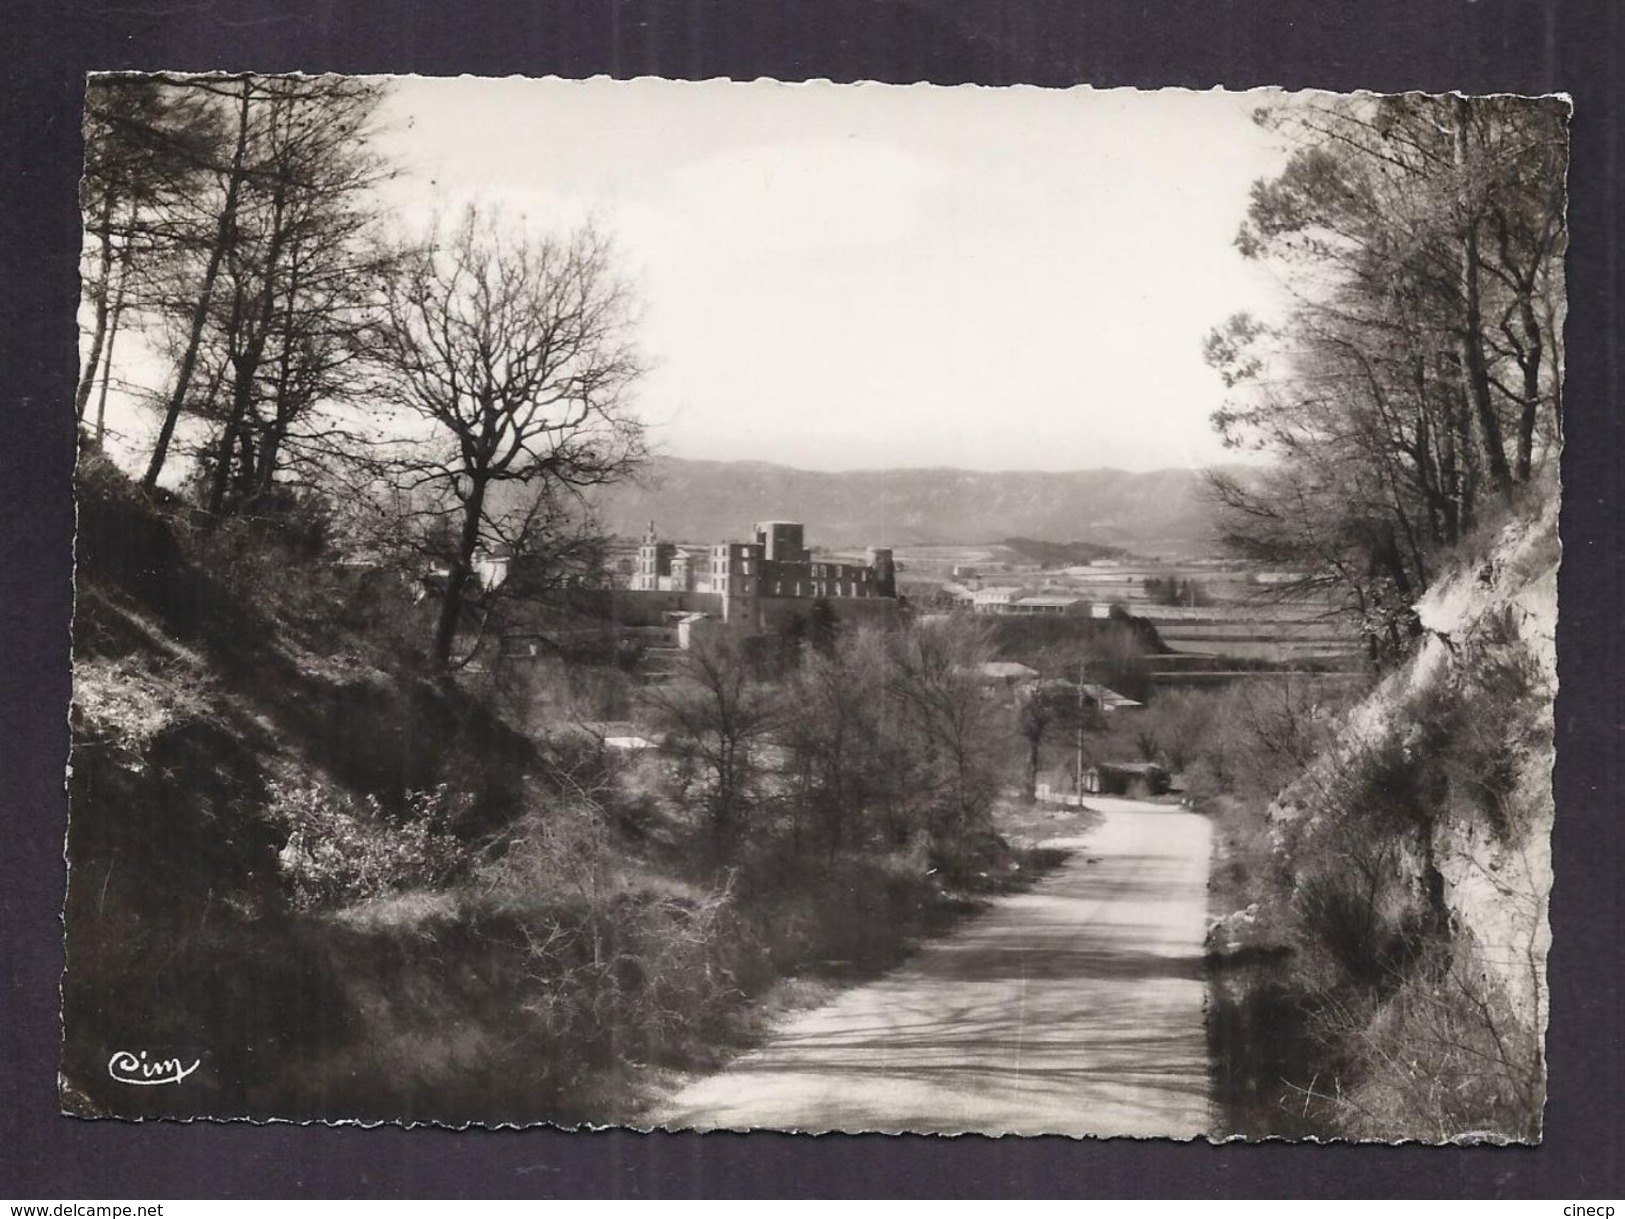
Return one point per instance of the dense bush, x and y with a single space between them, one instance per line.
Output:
614 963
1480 721
1442 1057
342 850
1171 590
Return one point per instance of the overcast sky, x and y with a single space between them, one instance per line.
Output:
844 277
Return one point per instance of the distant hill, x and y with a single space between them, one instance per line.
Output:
1159 512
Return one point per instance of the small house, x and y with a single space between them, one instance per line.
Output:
1108 701
1140 780
690 626
995 599
1005 672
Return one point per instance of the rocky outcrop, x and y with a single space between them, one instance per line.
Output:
1452 756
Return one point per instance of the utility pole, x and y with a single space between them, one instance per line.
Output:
1079 779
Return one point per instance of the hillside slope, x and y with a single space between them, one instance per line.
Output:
228 705
1418 852
345 885
1161 512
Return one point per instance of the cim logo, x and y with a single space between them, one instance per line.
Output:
129 1067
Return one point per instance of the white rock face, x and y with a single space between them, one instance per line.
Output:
1499 891
1496 890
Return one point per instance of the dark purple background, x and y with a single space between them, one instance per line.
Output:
1492 45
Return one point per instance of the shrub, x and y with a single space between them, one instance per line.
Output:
1484 721
124 705
1441 1058
1416 1040
255 547
614 963
1356 920
340 850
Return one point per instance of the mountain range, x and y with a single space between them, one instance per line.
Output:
1163 512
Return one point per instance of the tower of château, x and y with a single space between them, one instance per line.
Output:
654 561
885 569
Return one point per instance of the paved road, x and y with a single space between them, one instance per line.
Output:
1075 1008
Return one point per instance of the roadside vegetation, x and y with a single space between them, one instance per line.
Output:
329 834
356 886
373 823
1379 894
1379 932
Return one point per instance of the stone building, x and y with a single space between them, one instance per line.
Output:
775 565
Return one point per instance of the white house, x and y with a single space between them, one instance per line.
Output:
996 599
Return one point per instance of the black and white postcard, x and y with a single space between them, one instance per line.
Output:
815 607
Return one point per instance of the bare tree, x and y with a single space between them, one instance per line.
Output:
847 757
952 725
516 353
1056 706
724 713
